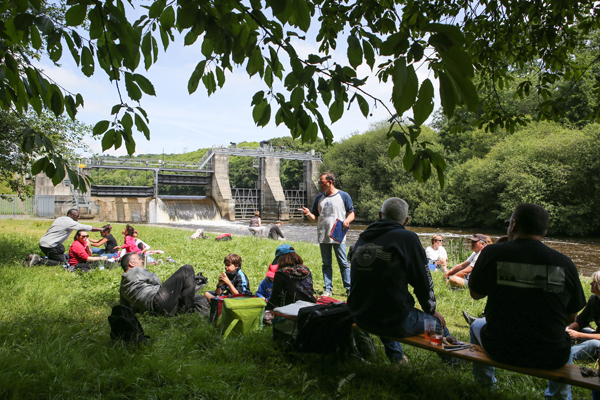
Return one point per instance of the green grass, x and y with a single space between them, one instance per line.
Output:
54 339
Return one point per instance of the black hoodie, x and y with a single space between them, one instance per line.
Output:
386 259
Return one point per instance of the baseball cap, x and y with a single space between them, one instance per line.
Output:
479 237
284 249
272 270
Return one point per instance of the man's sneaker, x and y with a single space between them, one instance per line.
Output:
326 293
469 318
35 259
27 260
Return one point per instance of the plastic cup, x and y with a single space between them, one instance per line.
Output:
436 336
429 327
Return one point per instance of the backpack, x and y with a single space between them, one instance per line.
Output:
224 237
324 329
125 326
242 315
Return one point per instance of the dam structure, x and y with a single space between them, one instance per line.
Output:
143 203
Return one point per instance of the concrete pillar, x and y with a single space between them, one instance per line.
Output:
220 190
311 181
273 204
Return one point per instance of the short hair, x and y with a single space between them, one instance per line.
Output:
395 209
129 230
289 259
81 230
596 277
72 210
532 218
435 237
125 260
106 228
257 213
233 259
329 176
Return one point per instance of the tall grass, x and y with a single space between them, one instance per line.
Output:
54 339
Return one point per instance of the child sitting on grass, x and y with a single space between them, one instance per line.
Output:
232 281
266 286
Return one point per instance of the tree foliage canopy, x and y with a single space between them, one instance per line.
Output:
394 38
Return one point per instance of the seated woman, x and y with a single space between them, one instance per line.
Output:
436 254
292 282
589 339
459 275
130 245
80 252
256 225
108 241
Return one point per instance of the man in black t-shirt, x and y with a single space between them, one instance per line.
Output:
533 293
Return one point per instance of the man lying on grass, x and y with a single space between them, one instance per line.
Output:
142 290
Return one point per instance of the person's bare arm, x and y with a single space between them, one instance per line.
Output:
308 214
348 219
457 268
575 326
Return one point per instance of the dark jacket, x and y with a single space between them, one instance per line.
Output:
385 260
240 281
290 285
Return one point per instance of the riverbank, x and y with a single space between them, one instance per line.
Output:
54 336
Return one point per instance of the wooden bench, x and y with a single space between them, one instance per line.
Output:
569 374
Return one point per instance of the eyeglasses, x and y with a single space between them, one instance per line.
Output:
322 182
438 240
507 222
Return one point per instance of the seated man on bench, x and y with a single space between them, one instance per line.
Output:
533 292
385 260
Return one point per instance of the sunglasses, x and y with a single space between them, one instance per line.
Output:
438 240
83 237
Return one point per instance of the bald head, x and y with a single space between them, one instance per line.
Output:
394 209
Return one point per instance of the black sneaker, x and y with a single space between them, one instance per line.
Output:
469 318
27 260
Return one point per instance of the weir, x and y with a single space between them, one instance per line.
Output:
121 203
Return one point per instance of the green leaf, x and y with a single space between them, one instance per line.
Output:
220 77
36 40
453 32
297 97
369 53
406 85
209 83
157 8
355 52
196 75
36 168
108 140
336 110
300 14
448 95
75 15
70 106
255 62
129 142
56 102
408 159
424 105
127 122
363 105
132 89
100 128
394 149
457 62
142 127
144 84
87 62
259 110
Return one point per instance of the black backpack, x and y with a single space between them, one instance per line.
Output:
324 329
125 326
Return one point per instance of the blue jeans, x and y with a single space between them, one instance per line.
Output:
485 375
412 325
100 251
340 254
587 350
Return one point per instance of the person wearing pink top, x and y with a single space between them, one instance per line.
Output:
130 245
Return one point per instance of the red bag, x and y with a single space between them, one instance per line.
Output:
224 237
327 300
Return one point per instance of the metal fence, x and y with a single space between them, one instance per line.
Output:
11 206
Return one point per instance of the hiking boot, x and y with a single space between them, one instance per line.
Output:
469 318
27 260
35 259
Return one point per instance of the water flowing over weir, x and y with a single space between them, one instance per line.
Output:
183 209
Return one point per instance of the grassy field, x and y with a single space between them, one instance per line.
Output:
54 336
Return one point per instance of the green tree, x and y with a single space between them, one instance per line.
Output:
492 38
64 135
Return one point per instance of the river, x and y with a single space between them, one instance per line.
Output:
581 250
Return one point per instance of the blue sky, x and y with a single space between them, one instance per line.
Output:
181 122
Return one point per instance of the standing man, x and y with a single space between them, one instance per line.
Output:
51 243
385 260
533 293
329 206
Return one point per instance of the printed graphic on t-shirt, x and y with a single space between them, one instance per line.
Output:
327 211
366 255
549 278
